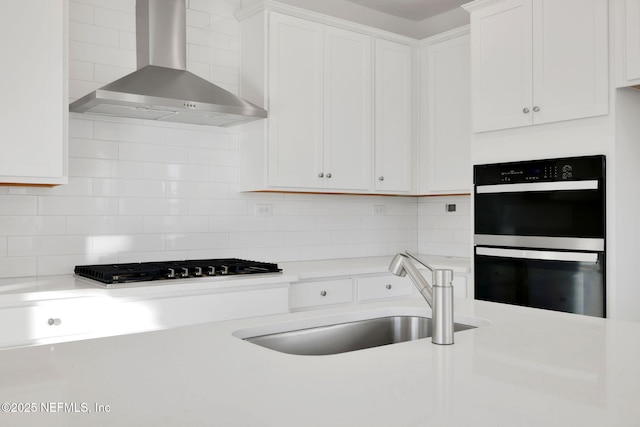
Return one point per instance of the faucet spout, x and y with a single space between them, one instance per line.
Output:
439 297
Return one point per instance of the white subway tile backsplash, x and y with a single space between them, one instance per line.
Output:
19 205
127 243
176 172
18 266
92 225
119 131
80 128
145 191
94 34
80 70
24 225
128 188
197 241
176 224
18 246
200 5
197 19
82 51
257 239
197 190
93 148
150 206
80 12
77 205
105 168
115 19
106 73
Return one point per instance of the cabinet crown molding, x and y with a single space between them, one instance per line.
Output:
447 35
479 4
275 6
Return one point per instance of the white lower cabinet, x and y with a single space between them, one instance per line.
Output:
51 321
128 315
315 294
384 286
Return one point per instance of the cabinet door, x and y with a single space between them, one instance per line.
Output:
501 46
347 109
392 116
295 102
570 61
33 114
50 321
632 39
445 160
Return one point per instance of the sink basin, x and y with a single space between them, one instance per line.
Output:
349 336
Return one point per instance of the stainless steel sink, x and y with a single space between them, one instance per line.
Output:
349 336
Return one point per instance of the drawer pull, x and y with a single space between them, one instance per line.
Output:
54 322
323 293
389 286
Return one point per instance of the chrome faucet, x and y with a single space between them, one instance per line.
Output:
439 297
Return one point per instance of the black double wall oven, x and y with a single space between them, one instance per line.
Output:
539 234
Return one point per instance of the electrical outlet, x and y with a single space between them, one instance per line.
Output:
378 210
263 210
450 207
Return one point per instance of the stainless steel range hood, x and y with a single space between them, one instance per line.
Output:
161 88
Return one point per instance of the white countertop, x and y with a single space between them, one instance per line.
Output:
68 286
528 367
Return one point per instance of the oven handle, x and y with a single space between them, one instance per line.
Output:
538 186
539 255
540 242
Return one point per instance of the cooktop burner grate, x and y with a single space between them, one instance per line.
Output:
148 271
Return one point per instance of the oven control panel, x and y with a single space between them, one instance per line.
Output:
549 170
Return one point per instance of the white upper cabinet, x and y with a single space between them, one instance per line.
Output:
318 92
339 100
347 110
393 141
33 83
628 42
538 61
445 114
295 102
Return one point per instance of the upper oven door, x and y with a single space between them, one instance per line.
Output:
563 209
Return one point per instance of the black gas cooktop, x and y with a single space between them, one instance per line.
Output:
166 270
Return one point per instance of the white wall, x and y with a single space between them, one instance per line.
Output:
142 191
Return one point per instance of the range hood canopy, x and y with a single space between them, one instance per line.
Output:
162 89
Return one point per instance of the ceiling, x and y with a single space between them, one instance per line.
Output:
415 10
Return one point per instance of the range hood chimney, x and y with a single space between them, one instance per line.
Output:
162 89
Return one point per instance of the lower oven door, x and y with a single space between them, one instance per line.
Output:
573 282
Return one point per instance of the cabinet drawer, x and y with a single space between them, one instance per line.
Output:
387 286
50 319
311 294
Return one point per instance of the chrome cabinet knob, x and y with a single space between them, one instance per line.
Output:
54 322
536 109
320 175
381 178
329 175
389 286
525 110
323 293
